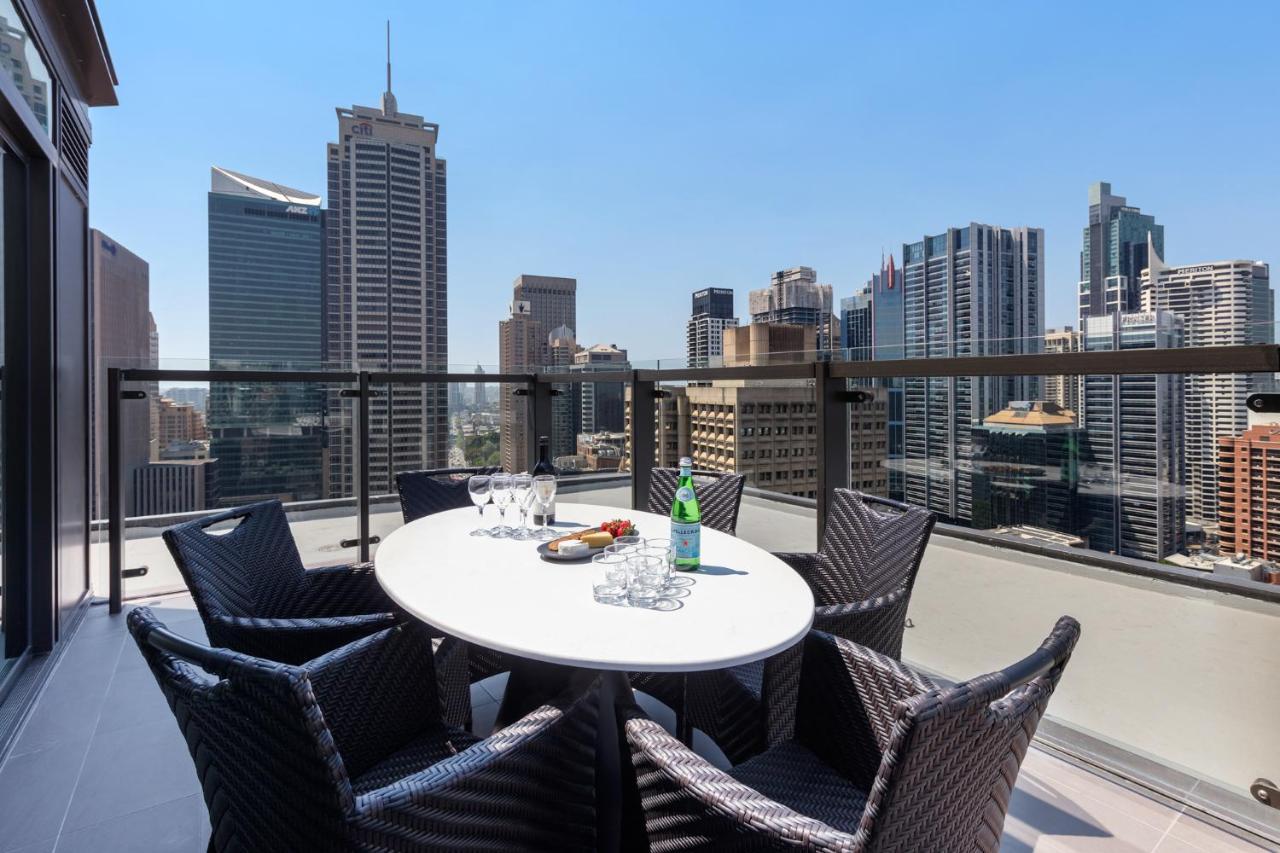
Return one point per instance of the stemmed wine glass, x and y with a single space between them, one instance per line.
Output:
478 486
544 491
522 496
501 487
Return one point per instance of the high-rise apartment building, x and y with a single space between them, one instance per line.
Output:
175 486
1114 253
387 288
711 314
1249 479
1026 461
972 290
266 311
601 403
1061 389
566 406
1132 479
540 306
180 423
1222 302
480 397
856 325
122 324
795 297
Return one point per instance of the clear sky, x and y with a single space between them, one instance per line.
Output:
649 149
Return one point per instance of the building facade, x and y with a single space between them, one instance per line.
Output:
1222 302
711 314
1133 482
758 344
1063 390
970 291
121 334
601 406
266 311
856 326
1249 478
794 297
1114 254
387 291
170 487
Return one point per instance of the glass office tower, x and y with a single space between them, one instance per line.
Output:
266 251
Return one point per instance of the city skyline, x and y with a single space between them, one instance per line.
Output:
704 219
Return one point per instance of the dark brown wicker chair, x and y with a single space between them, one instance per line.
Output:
255 597
348 752
719 496
861 579
881 760
424 493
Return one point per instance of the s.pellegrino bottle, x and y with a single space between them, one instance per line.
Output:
686 521
544 515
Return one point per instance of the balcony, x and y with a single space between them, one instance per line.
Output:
99 764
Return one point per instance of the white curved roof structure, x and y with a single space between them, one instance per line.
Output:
226 181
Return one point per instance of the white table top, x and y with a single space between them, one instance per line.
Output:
744 605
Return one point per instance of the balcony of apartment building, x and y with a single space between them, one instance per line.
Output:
1160 727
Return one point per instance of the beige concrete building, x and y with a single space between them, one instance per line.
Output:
1063 390
768 343
179 423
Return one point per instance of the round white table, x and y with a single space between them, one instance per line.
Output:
743 605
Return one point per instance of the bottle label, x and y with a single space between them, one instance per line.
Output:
684 494
686 540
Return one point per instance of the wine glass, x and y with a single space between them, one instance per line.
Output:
522 497
478 486
501 486
544 490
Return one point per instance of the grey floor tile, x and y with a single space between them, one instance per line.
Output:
1188 833
479 696
178 826
45 846
35 789
1042 816
66 711
482 717
129 770
495 685
133 698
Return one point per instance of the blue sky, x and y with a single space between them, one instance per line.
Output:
650 149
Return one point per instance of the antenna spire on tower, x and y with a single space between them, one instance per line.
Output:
388 99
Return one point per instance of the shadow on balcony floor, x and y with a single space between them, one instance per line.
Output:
100 766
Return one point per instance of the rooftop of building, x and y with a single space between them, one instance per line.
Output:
1032 414
228 182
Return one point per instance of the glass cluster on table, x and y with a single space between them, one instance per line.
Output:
522 491
639 572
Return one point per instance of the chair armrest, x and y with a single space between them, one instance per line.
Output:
343 591
293 641
850 699
376 693
877 623
805 563
689 801
529 786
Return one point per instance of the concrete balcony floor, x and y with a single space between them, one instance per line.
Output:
99 766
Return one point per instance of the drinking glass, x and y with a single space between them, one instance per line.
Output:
629 540
544 491
501 487
478 486
645 578
522 497
612 587
661 548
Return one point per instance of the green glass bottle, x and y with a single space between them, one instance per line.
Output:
686 521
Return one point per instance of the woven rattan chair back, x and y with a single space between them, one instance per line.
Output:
252 570
424 493
871 546
719 496
950 756
271 773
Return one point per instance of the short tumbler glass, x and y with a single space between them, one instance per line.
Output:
646 576
611 587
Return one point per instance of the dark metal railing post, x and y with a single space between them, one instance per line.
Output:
830 395
362 467
539 420
644 396
115 496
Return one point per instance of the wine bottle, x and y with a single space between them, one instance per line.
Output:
544 515
686 521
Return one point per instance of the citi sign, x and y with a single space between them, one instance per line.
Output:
362 129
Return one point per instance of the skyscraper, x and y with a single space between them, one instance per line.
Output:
1249 470
387 298
481 396
887 331
566 407
1026 461
856 325
539 306
1222 302
1132 476
1114 253
795 297
122 324
1063 390
973 290
266 286
711 314
602 402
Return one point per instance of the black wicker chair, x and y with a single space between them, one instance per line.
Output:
719 496
348 752
881 760
424 493
255 597
861 579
